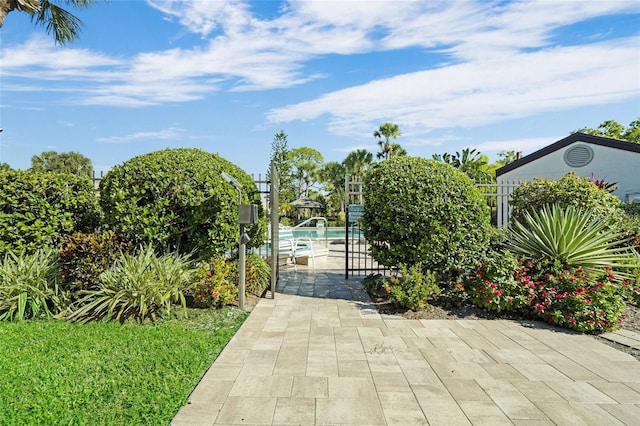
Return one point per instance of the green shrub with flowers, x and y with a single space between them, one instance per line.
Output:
581 300
214 284
499 284
630 291
573 298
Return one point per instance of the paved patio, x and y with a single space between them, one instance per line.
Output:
320 353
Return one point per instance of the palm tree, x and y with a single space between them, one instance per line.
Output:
469 161
384 134
396 151
332 174
357 162
64 25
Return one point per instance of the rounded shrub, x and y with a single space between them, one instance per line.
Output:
36 209
422 211
177 200
571 190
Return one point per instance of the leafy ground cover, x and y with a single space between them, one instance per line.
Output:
56 372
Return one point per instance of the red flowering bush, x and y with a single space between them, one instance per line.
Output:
580 300
630 292
500 284
215 285
572 298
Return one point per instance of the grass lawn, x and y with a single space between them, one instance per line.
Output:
55 372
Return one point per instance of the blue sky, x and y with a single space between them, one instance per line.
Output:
226 76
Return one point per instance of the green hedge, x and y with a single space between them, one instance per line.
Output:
36 209
571 190
177 200
418 210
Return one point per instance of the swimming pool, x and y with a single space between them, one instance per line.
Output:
330 233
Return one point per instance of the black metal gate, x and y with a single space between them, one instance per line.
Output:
268 188
357 259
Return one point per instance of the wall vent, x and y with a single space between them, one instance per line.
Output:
578 156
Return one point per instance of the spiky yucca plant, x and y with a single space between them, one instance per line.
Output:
562 238
137 286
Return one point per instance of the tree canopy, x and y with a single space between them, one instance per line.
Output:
357 162
72 163
613 129
307 162
469 161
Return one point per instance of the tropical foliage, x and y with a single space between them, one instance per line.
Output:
257 275
498 284
557 238
29 286
470 162
137 286
48 14
306 162
357 162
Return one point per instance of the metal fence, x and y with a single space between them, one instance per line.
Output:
358 260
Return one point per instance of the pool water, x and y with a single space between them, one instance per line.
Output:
335 233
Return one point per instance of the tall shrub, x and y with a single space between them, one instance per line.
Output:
37 208
418 210
177 200
571 190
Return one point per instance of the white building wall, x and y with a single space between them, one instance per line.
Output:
610 164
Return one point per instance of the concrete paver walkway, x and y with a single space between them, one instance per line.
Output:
320 353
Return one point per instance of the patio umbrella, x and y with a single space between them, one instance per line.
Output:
306 203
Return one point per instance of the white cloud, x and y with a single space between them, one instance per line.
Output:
525 145
164 134
482 91
241 52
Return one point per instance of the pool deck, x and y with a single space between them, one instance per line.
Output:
320 353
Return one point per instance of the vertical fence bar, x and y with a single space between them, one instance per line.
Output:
274 202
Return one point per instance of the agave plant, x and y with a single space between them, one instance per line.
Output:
137 286
564 238
29 286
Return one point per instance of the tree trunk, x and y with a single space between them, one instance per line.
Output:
6 6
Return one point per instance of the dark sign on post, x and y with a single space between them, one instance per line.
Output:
248 214
355 211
